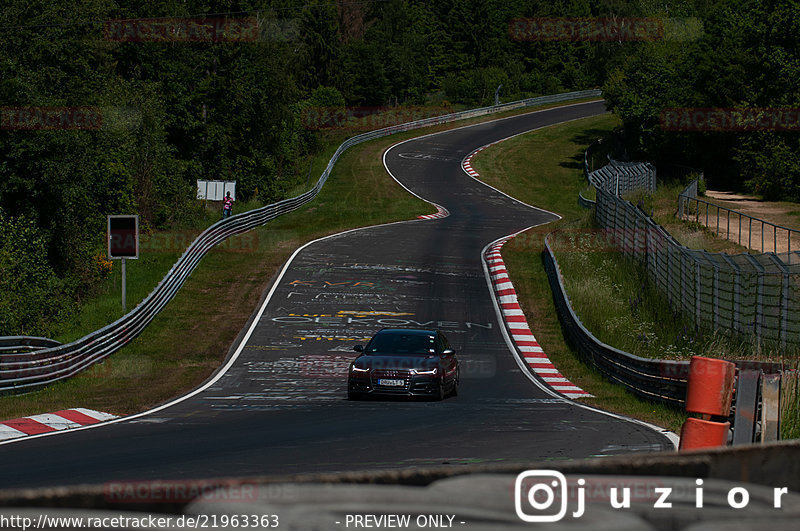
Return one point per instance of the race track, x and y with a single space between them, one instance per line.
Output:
281 408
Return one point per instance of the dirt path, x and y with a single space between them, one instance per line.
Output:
749 234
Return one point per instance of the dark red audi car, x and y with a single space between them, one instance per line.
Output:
401 362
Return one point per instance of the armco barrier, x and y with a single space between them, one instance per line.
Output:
22 372
586 203
659 380
14 344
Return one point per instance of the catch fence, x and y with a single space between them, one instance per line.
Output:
756 294
620 178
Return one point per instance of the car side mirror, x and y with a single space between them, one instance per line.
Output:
359 348
448 352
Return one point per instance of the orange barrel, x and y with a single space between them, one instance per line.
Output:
698 433
710 388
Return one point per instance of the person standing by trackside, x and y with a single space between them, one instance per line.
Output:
227 206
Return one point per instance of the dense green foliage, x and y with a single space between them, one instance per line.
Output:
173 112
176 111
747 56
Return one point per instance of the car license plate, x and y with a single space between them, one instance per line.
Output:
391 383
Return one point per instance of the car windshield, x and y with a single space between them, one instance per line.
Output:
387 344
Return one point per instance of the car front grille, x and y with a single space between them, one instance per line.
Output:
391 374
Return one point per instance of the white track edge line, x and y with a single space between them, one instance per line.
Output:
224 369
261 310
671 436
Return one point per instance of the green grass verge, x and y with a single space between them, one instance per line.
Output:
617 302
544 169
664 207
790 405
191 337
161 249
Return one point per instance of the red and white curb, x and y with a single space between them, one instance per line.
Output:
441 212
518 327
48 422
467 162
513 316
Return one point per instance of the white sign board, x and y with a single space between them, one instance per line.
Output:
215 190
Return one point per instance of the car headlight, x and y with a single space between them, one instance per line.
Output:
425 372
358 370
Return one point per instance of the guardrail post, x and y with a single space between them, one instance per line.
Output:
709 393
124 290
728 229
735 315
737 297
744 421
774 238
715 293
770 407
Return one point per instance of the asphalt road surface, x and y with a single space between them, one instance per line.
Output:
281 407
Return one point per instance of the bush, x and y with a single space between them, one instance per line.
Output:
32 297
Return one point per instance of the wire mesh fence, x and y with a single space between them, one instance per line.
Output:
753 294
620 178
749 231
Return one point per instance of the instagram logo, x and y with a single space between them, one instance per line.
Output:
543 495
535 493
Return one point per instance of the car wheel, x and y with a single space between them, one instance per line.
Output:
454 391
353 396
440 394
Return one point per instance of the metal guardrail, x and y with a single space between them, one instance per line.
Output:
586 166
14 344
585 202
687 200
22 372
659 380
662 381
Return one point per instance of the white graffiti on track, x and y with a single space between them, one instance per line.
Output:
343 320
426 157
